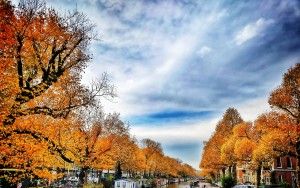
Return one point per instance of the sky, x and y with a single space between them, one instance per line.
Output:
179 64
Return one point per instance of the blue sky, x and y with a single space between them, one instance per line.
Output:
178 64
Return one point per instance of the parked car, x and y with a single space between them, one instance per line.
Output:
73 178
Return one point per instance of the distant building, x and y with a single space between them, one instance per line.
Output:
125 183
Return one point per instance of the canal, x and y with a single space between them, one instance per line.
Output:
187 185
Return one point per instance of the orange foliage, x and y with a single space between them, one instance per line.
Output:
218 151
7 85
273 134
278 135
287 96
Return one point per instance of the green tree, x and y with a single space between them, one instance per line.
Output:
228 182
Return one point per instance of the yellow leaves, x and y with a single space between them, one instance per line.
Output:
140 159
48 174
219 150
279 131
8 77
103 145
240 145
227 152
244 149
262 153
242 130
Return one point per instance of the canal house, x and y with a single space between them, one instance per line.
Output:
125 183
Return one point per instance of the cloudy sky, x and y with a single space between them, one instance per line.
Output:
179 64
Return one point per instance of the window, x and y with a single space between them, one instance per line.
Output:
246 178
278 162
288 162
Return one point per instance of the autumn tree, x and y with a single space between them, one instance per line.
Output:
152 150
211 156
287 96
8 80
48 49
126 153
287 99
139 160
212 152
29 155
95 137
187 171
278 137
47 46
224 128
240 146
42 57
170 167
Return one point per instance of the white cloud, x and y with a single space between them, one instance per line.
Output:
178 134
252 30
205 50
181 133
251 109
165 49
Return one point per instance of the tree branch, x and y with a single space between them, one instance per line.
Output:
287 110
52 146
19 60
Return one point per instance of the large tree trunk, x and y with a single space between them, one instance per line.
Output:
83 175
99 176
258 174
234 175
230 171
223 172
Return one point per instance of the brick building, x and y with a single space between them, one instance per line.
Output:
284 170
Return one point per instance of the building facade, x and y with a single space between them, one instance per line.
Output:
284 170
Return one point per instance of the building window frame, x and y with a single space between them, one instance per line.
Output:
289 161
278 162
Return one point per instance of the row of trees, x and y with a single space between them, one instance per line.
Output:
48 119
256 144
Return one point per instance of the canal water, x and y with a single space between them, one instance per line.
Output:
187 185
